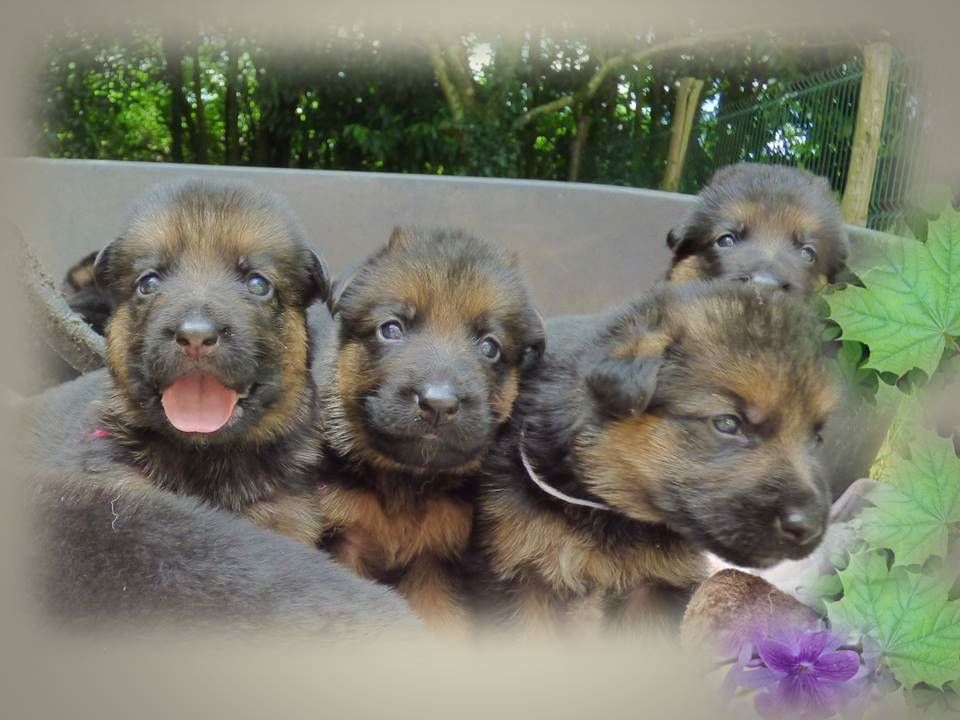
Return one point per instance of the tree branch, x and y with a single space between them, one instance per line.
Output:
64 331
698 41
447 85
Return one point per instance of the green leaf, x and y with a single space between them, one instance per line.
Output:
910 307
914 515
907 614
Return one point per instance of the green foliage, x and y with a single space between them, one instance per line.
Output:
908 614
905 321
909 311
350 99
915 514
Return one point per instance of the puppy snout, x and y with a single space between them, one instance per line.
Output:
800 526
768 279
197 335
438 404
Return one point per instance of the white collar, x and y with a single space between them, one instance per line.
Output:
550 490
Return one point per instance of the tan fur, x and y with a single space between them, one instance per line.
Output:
687 270
439 527
295 516
570 563
506 396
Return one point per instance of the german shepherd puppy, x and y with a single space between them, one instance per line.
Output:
765 224
433 334
79 288
686 422
208 392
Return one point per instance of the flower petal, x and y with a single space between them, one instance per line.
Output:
811 645
759 678
768 706
802 694
777 655
837 666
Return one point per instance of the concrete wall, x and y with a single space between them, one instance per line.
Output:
584 247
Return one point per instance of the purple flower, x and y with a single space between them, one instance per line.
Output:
800 673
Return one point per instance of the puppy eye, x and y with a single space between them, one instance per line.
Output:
808 253
728 424
258 285
148 283
818 434
490 349
726 240
391 331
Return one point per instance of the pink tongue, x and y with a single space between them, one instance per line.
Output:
198 403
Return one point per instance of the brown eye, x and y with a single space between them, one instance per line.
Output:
808 253
148 283
726 240
490 349
258 285
727 424
391 331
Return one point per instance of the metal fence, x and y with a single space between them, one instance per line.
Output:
810 124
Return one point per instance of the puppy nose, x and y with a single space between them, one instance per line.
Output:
197 335
438 404
798 526
766 278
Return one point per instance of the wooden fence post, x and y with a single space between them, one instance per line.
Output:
681 124
877 58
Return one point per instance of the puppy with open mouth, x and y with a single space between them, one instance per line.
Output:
207 405
686 422
433 334
210 392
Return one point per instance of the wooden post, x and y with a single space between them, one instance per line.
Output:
681 124
877 58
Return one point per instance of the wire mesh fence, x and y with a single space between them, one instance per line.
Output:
810 124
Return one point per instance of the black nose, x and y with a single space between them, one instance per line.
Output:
197 335
438 404
769 279
799 527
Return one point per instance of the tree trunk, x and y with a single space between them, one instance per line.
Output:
231 109
584 120
685 111
871 106
199 136
173 75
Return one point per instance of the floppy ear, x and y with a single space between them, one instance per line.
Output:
318 286
340 284
536 344
624 386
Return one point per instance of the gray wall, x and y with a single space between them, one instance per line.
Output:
583 247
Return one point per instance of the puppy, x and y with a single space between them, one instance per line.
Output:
208 395
79 288
686 422
765 224
433 334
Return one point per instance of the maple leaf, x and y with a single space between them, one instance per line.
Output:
914 514
909 310
908 614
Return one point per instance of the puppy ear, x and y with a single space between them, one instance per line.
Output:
837 264
674 237
624 386
340 285
400 239
536 344
318 285
104 268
